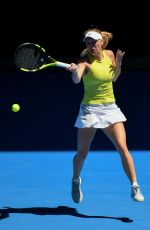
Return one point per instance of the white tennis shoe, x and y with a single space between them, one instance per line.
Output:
77 194
136 193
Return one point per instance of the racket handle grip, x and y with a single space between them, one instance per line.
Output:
62 64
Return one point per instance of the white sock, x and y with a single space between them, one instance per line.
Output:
76 179
135 184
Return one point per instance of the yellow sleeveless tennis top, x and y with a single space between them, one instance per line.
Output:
98 87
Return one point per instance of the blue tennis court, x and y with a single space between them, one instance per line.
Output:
35 192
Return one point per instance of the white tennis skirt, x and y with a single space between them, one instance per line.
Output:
99 116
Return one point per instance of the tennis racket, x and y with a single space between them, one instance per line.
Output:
31 57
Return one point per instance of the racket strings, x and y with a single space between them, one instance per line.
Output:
30 58
27 58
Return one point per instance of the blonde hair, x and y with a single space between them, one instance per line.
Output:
106 37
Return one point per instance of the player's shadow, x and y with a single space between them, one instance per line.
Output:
60 210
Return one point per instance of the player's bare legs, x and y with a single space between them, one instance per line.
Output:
84 139
116 133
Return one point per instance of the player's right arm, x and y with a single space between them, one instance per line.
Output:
79 70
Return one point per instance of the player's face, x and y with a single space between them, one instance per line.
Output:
94 46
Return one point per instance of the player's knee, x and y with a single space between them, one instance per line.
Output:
122 148
82 153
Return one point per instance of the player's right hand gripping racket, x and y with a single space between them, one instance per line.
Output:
31 57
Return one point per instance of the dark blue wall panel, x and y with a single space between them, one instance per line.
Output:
49 105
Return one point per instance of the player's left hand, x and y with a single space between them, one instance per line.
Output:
119 57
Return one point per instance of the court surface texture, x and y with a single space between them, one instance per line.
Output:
35 192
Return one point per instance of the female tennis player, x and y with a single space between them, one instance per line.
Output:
99 67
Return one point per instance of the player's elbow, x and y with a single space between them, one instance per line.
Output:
114 79
76 81
116 76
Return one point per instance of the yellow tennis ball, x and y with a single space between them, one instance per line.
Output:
15 107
